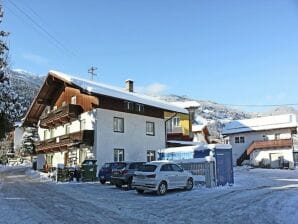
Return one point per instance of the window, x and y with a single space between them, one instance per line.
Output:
150 155
83 124
67 128
118 155
239 139
73 100
45 134
150 128
118 124
176 122
139 108
128 106
277 136
52 133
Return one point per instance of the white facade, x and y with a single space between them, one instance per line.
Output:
133 140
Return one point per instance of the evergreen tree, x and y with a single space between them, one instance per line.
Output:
9 105
30 136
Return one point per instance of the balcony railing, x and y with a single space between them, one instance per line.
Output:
267 144
66 141
60 116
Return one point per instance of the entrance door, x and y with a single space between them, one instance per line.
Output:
296 158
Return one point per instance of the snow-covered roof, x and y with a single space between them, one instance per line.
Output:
186 104
107 90
261 124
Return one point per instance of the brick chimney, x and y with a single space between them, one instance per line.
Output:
129 85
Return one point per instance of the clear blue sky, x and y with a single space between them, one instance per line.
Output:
231 52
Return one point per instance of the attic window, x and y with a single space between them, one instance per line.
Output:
128 106
73 100
140 108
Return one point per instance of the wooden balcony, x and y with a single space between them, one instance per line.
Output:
60 116
267 144
65 142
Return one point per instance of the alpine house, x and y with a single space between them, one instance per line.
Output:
79 119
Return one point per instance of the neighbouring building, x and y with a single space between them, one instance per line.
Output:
264 141
201 133
81 119
179 125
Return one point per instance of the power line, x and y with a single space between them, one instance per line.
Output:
259 105
55 41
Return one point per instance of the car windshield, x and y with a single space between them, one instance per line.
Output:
148 168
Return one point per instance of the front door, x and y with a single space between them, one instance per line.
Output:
296 158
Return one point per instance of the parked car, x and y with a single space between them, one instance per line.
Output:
105 171
161 176
124 172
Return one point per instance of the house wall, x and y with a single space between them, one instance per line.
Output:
134 140
239 148
185 124
18 137
199 137
271 157
86 101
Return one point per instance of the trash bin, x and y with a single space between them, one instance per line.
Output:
88 170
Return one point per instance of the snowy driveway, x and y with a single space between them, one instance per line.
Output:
259 196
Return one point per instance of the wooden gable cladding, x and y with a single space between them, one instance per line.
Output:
115 104
87 102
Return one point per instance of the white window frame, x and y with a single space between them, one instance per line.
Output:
118 124
176 122
119 155
151 155
150 128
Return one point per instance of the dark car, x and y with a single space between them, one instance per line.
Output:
105 172
124 172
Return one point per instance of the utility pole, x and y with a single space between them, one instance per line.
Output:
92 71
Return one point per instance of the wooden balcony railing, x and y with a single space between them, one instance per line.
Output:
60 116
64 142
267 144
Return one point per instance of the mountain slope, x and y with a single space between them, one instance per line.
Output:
26 85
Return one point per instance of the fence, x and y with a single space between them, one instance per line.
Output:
199 168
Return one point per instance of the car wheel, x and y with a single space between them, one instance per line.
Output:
140 191
129 184
102 181
162 188
189 184
118 185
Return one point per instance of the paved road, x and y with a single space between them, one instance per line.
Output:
26 199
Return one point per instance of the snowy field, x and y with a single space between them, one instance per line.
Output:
258 196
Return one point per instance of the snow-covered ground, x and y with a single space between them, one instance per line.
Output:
258 196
